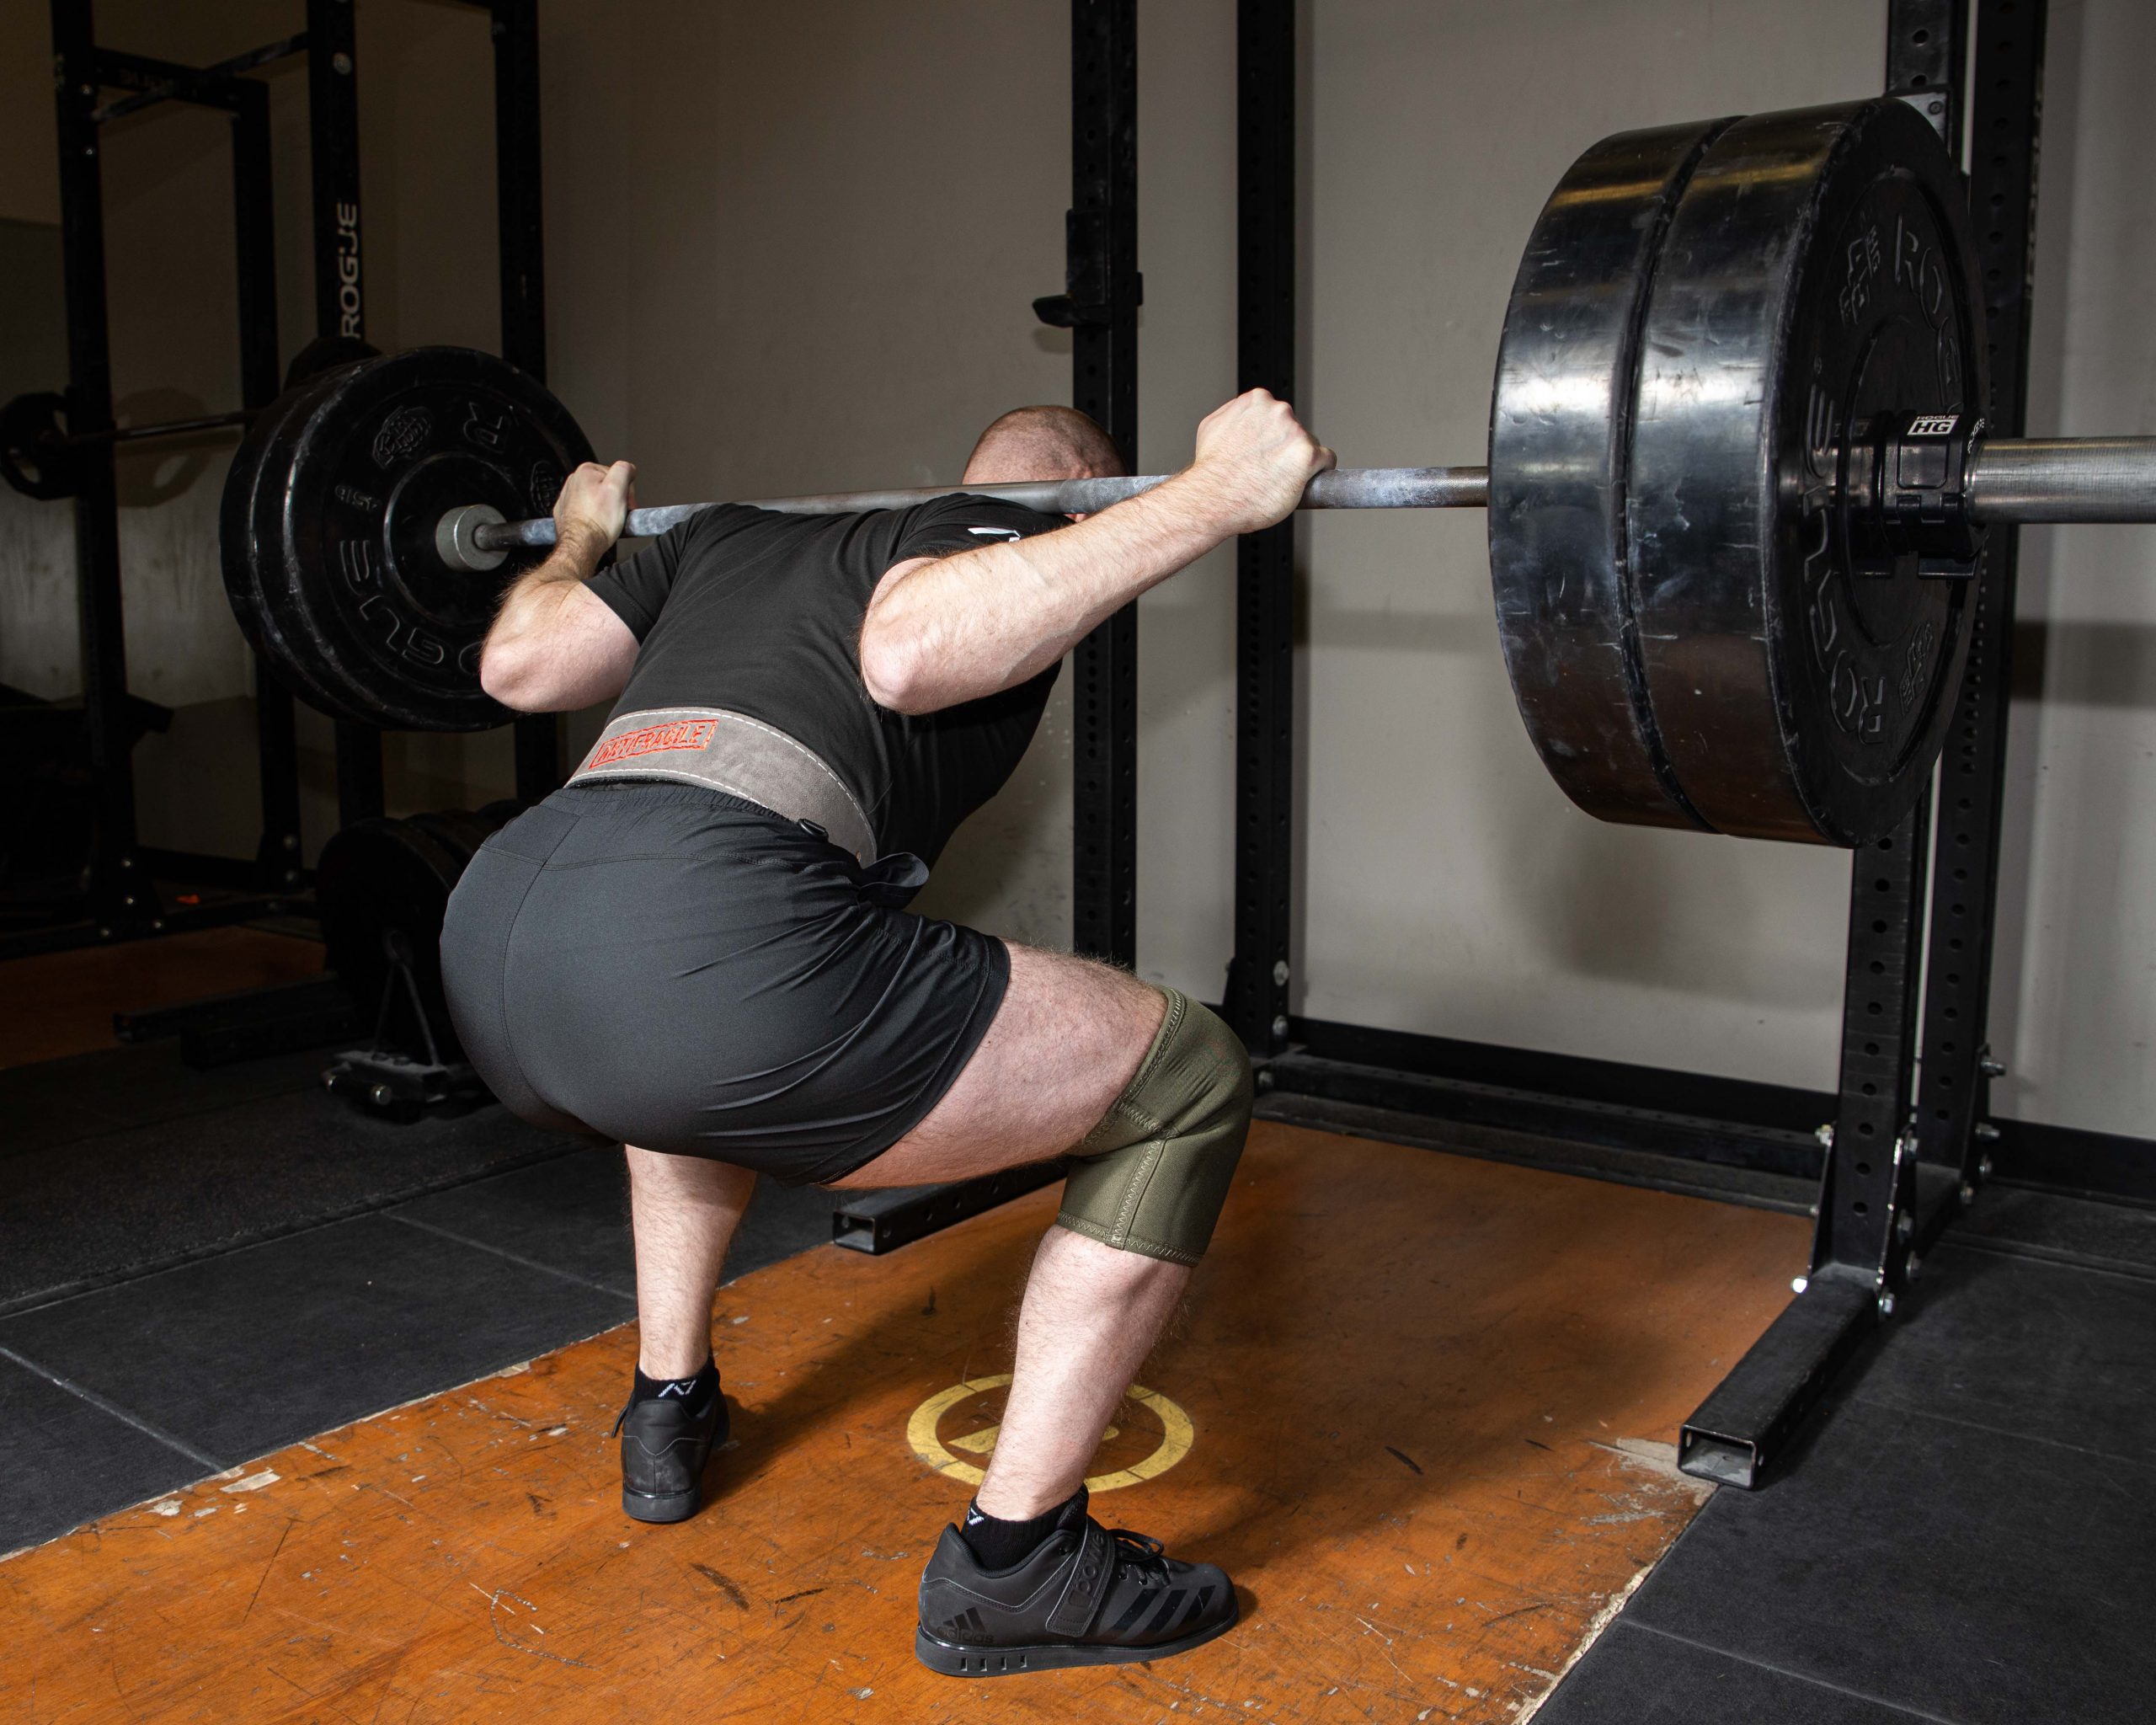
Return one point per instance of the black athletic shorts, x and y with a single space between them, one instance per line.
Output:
679 970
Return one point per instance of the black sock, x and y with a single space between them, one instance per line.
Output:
696 1390
998 1544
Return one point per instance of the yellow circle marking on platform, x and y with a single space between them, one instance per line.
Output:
1176 1435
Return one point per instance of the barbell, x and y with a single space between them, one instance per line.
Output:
1737 486
2019 479
37 450
40 455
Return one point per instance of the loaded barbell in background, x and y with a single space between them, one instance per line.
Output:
38 452
1737 483
40 455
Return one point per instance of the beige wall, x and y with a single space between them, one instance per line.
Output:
1454 888
2074 999
792 248
29 172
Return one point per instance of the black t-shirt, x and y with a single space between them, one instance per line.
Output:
760 613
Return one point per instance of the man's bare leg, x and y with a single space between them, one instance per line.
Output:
1069 1036
1091 1316
683 1210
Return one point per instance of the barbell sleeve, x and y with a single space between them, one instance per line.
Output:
2035 479
1346 487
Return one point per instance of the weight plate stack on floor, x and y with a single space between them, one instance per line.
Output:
459 830
383 886
329 519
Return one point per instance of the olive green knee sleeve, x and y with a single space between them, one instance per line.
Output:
1151 1178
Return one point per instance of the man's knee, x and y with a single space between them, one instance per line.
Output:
1151 1177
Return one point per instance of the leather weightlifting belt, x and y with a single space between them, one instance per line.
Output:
744 757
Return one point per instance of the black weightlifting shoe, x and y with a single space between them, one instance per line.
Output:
1088 1596
665 1442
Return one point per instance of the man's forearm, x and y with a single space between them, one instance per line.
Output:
530 604
986 620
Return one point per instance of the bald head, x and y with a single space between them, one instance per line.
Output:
1042 443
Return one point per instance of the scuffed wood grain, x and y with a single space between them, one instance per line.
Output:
1427 1395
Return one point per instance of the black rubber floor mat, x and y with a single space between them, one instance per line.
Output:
90 1201
1967 1532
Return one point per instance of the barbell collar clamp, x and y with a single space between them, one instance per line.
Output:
1909 492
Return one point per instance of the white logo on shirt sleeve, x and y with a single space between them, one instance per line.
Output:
996 532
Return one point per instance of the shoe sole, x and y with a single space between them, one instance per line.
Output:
953 1660
648 1506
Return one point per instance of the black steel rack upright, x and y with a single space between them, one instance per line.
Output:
339 277
1255 1002
1951 1112
517 164
340 308
1907 1146
123 901
1896 1164
1099 306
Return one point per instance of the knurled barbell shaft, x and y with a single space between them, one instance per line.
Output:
1346 488
2063 479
